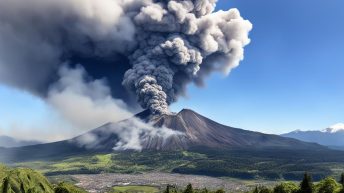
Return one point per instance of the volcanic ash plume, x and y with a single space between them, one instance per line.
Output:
176 39
152 49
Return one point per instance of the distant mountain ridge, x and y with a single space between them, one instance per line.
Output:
332 136
196 131
6 141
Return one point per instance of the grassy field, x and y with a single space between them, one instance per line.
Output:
131 162
236 164
135 189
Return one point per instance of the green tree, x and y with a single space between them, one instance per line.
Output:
220 191
5 185
189 189
341 181
167 190
264 190
286 187
170 189
306 185
64 187
327 185
261 189
256 190
204 190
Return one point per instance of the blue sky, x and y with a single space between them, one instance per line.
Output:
291 78
28 117
293 72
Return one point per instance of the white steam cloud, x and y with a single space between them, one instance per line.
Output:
130 134
134 132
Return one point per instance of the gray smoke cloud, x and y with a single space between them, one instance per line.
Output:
83 102
176 39
145 51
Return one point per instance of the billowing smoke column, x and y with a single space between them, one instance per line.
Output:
152 48
175 39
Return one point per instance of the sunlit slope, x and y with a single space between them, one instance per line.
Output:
24 180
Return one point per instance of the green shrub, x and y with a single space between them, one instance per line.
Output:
68 188
24 181
286 187
341 181
220 191
327 185
170 189
261 189
189 189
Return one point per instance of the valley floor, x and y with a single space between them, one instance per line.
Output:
240 164
102 182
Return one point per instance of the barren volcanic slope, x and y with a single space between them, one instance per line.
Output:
196 131
201 131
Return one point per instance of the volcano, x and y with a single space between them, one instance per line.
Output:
199 131
192 131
